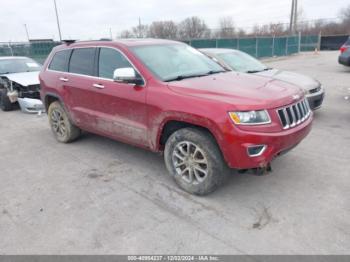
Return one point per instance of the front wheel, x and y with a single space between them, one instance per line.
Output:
193 158
5 103
62 127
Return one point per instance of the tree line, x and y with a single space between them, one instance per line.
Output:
196 28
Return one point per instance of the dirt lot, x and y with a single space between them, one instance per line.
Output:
100 196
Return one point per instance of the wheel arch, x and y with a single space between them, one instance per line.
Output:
171 125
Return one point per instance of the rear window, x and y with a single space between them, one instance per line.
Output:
347 41
82 61
60 61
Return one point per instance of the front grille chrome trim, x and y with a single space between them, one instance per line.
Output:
294 114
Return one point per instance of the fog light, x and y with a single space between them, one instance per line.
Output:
256 150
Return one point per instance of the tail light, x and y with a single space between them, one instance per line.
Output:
343 48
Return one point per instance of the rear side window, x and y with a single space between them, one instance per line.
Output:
59 61
82 61
109 61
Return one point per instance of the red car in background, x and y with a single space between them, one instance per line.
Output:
166 96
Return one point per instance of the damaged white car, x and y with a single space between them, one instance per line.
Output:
19 83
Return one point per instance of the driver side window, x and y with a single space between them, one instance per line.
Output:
110 60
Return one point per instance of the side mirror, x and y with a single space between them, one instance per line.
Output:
127 75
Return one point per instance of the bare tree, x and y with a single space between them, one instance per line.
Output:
126 34
277 29
193 27
345 15
140 31
261 30
163 29
226 27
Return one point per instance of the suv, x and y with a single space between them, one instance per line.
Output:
344 57
168 97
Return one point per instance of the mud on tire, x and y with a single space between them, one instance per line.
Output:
194 160
62 127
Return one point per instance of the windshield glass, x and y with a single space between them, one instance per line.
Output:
175 61
242 62
18 65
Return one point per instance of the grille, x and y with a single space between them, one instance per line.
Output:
33 88
295 114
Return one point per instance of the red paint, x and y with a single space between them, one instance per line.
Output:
137 115
343 48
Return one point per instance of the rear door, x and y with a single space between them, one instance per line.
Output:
78 85
121 107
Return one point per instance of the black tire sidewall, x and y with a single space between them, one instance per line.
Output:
72 131
216 165
5 103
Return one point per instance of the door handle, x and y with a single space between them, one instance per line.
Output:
98 86
63 79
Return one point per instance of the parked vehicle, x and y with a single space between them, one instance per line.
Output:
166 96
345 46
344 57
239 61
19 82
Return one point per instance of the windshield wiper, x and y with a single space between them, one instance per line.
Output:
180 77
211 72
257 71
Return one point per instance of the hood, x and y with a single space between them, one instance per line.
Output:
243 91
25 78
303 81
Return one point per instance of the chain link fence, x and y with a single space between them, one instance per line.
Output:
38 51
262 46
258 46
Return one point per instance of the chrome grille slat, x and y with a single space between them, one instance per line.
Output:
295 114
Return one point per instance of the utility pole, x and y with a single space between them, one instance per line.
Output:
58 21
25 27
291 18
139 27
110 33
295 27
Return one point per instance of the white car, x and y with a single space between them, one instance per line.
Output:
19 82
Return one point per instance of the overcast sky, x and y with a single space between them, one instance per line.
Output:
91 19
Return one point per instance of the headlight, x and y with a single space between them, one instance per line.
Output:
250 117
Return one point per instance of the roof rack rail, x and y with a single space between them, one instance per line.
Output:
68 41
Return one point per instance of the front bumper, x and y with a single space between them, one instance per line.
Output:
29 105
236 155
316 99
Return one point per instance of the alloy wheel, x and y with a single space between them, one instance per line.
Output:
190 162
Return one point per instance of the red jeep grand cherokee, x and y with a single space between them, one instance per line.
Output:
166 96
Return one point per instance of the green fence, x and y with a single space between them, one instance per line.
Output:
257 47
38 51
310 43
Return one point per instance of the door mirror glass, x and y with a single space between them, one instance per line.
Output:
127 75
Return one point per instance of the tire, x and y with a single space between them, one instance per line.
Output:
62 127
5 103
204 156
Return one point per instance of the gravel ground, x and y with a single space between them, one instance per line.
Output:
98 196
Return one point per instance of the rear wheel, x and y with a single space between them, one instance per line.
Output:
193 158
62 127
5 103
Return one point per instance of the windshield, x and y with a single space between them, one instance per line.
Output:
242 62
18 65
175 61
